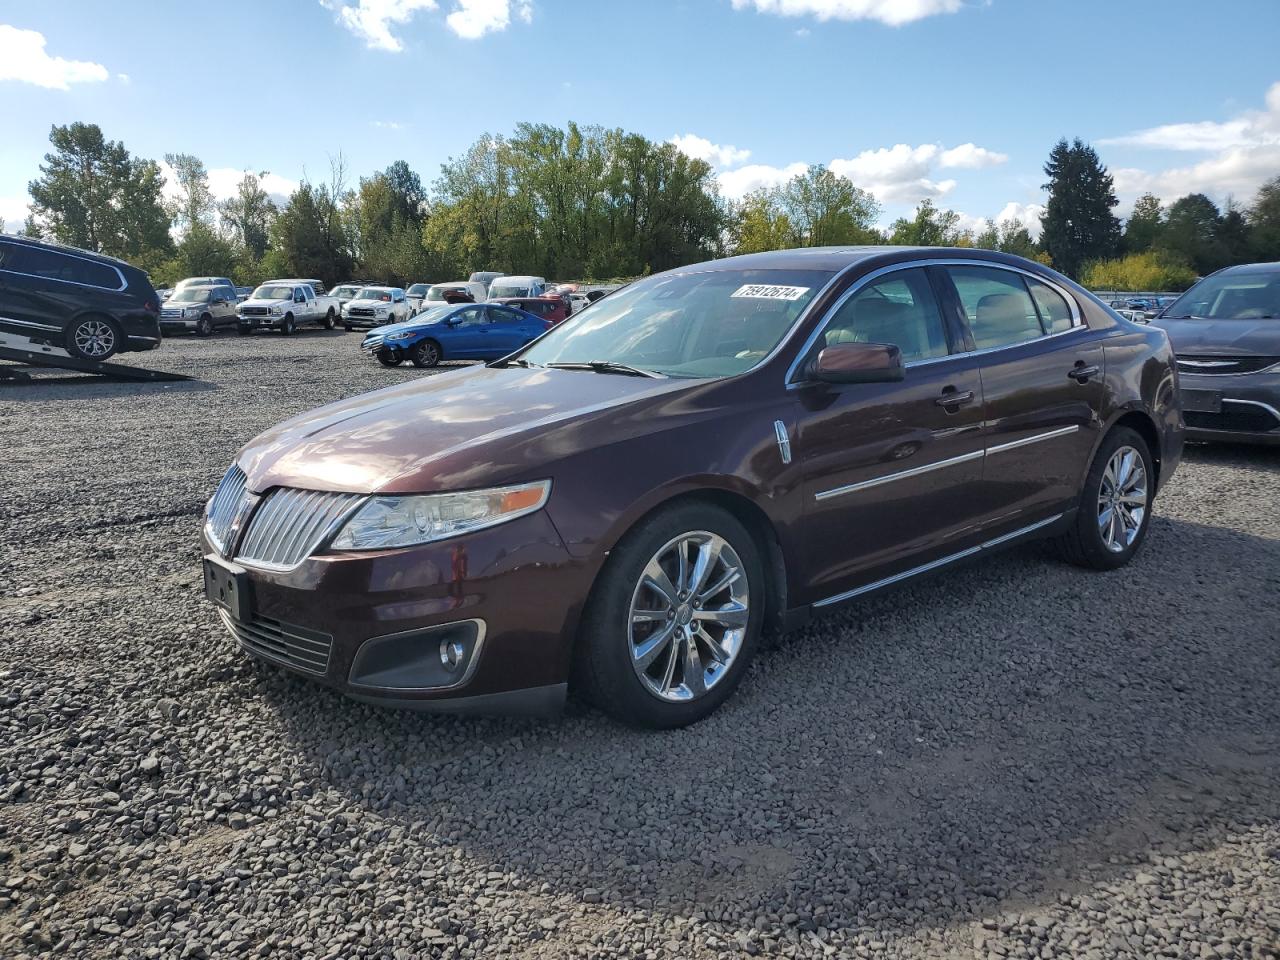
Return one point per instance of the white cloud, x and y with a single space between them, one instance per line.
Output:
224 182
892 12
1245 151
1029 214
386 124
737 183
372 20
124 78
700 148
23 58
474 18
971 156
13 211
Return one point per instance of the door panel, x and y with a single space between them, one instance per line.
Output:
467 340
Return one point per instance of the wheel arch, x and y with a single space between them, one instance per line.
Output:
1142 423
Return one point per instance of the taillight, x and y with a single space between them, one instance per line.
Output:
151 306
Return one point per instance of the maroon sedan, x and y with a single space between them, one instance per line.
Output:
731 447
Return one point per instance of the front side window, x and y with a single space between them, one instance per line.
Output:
899 309
470 317
997 305
716 323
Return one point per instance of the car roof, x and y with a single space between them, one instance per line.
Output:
518 277
1253 268
835 259
64 248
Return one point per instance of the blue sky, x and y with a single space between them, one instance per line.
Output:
958 100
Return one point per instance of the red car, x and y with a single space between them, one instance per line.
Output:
550 307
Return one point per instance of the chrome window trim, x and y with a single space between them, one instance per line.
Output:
1077 318
900 475
75 283
949 462
940 562
30 323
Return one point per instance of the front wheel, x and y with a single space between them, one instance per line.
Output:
287 326
389 358
347 327
674 619
1114 511
328 320
204 326
426 354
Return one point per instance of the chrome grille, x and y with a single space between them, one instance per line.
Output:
285 643
361 311
255 311
289 524
220 516
1225 364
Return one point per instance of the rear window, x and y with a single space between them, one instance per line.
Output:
59 266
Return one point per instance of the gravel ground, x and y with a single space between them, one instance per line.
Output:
1017 759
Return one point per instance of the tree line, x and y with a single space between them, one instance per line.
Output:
588 202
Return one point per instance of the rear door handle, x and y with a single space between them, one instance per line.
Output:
1081 372
953 398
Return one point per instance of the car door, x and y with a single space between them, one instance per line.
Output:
509 330
467 336
223 307
889 470
1042 386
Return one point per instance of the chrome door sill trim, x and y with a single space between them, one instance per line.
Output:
1014 444
940 562
900 475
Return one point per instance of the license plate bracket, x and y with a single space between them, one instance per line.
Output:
229 587
1202 401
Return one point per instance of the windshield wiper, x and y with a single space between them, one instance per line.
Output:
609 366
519 362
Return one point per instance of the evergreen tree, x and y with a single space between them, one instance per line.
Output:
1191 233
1264 222
1078 225
1142 229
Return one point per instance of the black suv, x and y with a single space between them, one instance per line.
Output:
88 304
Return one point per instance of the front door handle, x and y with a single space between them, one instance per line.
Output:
1081 372
953 398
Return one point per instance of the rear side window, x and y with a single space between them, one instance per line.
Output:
999 308
57 266
1055 315
899 309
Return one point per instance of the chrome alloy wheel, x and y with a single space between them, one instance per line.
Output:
1122 499
95 338
689 616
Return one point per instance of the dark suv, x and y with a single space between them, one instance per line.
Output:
90 305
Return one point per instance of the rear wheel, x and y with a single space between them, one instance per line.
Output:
204 326
426 354
674 619
94 338
1115 506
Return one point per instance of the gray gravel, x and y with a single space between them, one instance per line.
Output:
1018 759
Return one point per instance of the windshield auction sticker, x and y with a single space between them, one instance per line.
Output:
769 291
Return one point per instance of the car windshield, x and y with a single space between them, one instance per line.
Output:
273 292
438 291
500 289
344 291
713 324
435 314
417 290
1249 295
192 295
375 293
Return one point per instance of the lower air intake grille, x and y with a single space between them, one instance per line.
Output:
1237 417
289 524
284 643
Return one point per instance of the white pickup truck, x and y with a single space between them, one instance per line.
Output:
283 304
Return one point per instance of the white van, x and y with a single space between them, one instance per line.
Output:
517 287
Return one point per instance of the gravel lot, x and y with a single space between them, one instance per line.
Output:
1017 759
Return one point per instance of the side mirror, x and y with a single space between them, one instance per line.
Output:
858 363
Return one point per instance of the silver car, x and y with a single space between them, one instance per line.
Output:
199 309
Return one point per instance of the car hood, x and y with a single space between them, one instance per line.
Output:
401 327
264 303
475 427
361 302
1254 338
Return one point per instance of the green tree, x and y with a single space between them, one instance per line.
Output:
929 227
194 203
1191 231
1142 229
307 239
1234 234
92 194
249 213
1264 222
389 208
760 224
825 208
1078 225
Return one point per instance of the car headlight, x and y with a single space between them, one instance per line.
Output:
404 521
275 311
403 335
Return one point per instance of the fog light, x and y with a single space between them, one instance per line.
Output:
451 653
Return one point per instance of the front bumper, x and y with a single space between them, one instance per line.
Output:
254 323
366 323
1247 407
372 625
177 324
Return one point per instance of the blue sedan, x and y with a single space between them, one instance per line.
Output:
460 331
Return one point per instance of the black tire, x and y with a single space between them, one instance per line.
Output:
94 337
1084 544
287 326
390 358
347 327
244 329
604 668
426 354
328 319
204 326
